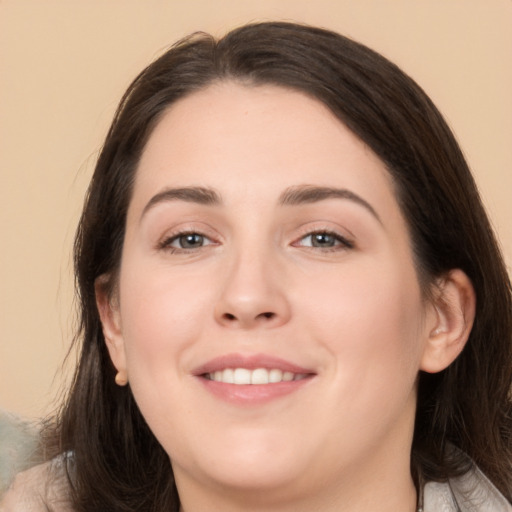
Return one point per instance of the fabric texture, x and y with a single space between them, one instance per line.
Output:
472 492
18 447
37 488
46 484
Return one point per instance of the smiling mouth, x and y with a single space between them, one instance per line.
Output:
258 376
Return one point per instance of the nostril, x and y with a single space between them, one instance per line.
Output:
229 317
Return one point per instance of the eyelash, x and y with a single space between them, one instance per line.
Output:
165 244
341 243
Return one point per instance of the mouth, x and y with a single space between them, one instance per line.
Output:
254 379
258 376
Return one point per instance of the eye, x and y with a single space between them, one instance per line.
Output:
325 240
185 241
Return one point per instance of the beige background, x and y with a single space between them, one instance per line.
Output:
64 65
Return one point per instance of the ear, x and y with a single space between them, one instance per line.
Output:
108 308
451 322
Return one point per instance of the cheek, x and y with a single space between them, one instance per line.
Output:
162 315
162 319
369 326
369 320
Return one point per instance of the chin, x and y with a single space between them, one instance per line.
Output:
250 464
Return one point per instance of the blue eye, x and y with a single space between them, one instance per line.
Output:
185 241
189 241
325 240
322 240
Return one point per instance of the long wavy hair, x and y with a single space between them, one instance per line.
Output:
117 464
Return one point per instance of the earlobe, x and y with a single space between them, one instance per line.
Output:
454 312
110 317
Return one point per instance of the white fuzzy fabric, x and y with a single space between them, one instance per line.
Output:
18 446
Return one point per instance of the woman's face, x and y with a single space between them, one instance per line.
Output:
264 241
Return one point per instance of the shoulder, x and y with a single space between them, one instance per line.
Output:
471 492
42 488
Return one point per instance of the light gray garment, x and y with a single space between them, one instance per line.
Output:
18 447
35 488
472 492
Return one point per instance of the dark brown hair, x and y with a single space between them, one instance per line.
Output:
117 462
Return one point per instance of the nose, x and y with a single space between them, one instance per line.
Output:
253 294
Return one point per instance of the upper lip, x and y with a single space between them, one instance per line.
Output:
250 362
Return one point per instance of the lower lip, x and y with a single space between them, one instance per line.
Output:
253 394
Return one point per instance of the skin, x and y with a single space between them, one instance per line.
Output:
353 314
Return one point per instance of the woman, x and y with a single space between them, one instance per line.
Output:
291 295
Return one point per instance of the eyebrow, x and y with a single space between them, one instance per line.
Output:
199 195
293 196
306 194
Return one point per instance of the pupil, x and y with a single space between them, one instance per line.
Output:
191 240
323 240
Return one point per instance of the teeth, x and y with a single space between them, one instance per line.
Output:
259 376
242 376
227 376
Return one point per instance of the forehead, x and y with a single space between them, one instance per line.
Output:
268 134
264 115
